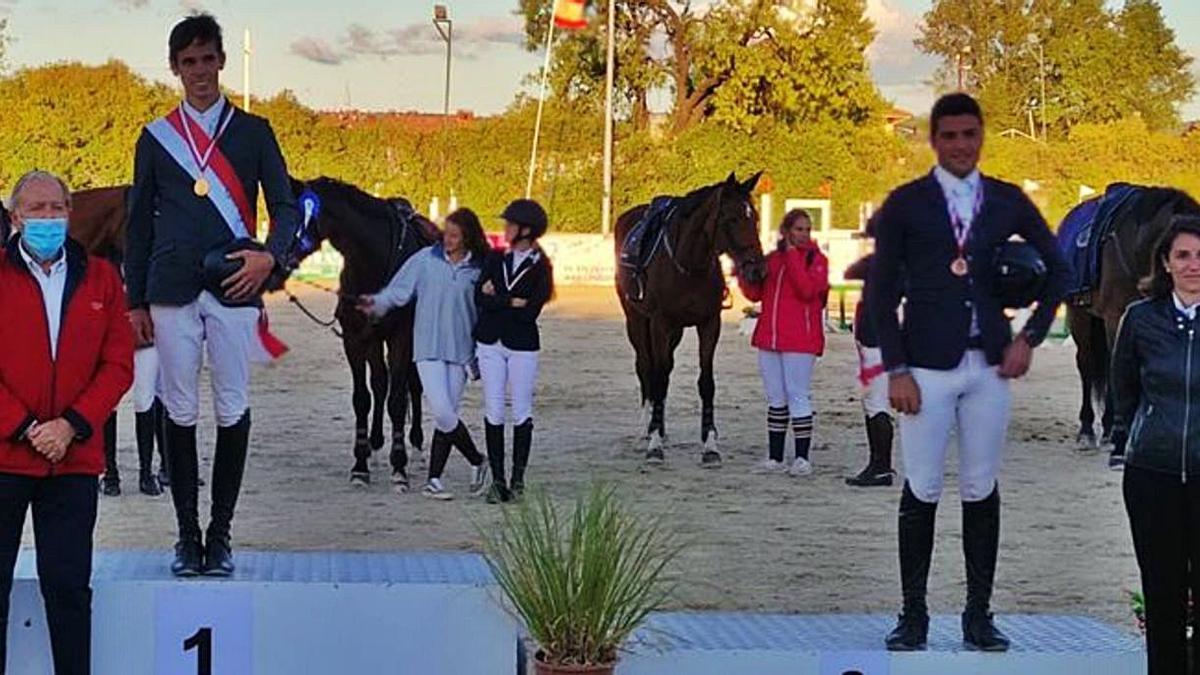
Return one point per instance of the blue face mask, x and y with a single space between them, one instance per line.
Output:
44 237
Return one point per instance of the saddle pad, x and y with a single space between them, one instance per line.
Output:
1084 231
643 239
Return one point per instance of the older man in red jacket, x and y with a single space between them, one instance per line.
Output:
67 360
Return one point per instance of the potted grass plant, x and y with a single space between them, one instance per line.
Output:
581 579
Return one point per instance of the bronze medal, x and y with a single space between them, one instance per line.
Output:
959 267
201 187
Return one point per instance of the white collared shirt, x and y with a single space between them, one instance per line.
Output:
960 192
518 257
1188 310
53 284
960 195
209 118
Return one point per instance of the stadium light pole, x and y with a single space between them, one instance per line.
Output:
445 28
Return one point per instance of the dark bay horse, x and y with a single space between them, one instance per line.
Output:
683 286
374 236
1093 319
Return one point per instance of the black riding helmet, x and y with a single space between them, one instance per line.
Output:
218 268
527 213
1019 274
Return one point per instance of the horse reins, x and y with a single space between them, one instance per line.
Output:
395 257
332 321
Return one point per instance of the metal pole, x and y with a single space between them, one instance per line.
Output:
449 43
606 206
246 71
1042 71
537 125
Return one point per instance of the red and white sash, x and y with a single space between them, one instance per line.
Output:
225 192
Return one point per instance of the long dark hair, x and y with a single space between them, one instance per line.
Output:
789 219
474 239
1158 284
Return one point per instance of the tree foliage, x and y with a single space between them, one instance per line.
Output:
82 122
1099 64
735 61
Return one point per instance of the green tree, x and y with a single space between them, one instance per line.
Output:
1098 64
733 60
78 121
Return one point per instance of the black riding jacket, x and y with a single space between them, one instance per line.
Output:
515 327
1156 387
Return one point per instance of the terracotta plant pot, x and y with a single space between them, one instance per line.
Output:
542 668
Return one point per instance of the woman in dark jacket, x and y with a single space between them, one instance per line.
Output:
1156 388
512 290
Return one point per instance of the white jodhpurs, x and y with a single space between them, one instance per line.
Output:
875 391
443 383
146 381
971 399
182 335
787 380
507 374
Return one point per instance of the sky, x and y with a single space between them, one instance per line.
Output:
386 54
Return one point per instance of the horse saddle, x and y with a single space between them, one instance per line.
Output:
1083 233
642 243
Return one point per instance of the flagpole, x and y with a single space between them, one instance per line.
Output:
537 126
246 52
606 206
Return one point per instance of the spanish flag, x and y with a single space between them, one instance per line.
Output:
568 14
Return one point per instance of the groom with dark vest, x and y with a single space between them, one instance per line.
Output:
192 210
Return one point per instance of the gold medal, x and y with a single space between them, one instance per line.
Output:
201 187
959 267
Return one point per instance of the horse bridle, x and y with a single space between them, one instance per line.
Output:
671 249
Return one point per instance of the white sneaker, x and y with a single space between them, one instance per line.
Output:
770 466
800 467
435 490
479 478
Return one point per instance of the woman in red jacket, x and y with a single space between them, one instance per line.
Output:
790 336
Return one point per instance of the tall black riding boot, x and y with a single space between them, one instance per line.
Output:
878 471
916 523
159 412
522 444
229 464
981 542
185 494
111 483
494 435
144 428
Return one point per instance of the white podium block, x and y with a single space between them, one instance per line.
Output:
719 643
282 613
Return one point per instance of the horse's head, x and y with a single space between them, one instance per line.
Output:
309 234
735 228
